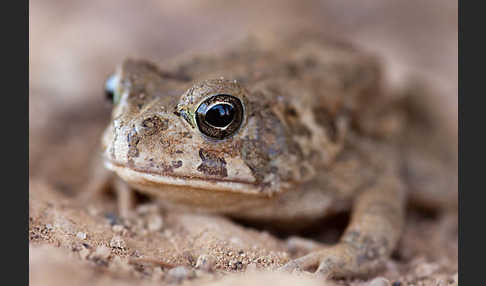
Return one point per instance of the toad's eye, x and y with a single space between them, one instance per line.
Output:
219 116
110 87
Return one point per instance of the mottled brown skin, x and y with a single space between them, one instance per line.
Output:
319 135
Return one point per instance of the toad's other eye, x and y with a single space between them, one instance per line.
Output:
219 116
110 87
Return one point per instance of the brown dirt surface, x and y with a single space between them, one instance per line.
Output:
154 246
75 45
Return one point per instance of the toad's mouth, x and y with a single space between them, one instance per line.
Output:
147 178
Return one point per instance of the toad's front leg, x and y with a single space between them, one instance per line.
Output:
100 180
376 225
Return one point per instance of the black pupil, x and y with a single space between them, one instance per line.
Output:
220 115
109 94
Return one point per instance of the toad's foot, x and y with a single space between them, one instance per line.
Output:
375 227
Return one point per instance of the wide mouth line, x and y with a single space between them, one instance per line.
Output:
178 176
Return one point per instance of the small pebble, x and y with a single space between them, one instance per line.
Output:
155 222
236 241
426 269
117 228
112 218
93 211
146 208
180 273
101 252
120 264
379 281
83 253
81 235
117 242
205 262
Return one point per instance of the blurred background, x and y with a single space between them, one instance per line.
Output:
75 45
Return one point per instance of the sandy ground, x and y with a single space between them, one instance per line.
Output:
153 246
73 47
